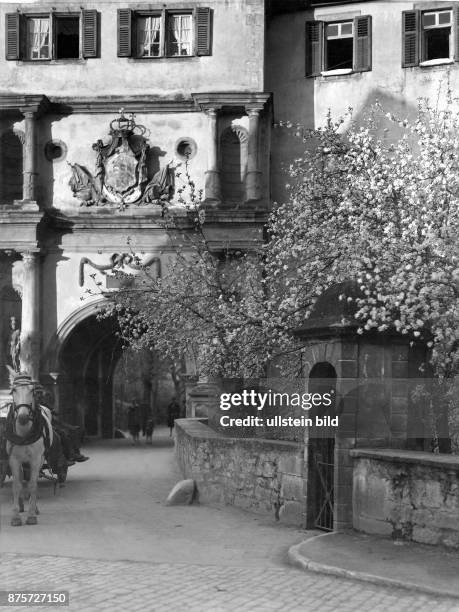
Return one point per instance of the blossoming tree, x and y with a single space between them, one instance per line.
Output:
379 213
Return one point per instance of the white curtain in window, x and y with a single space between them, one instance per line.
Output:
180 28
38 39
149 36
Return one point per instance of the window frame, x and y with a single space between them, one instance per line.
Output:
424 29
316 46
128 32
135 33
164 14
22 43
167 44
27 49
413 36
339 23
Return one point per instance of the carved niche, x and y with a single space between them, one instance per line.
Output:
120 176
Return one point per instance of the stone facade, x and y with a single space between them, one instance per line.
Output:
407 495
208 102
263 476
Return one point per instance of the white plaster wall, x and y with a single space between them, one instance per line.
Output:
236 63
308 100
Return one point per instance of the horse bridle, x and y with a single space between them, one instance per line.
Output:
29 407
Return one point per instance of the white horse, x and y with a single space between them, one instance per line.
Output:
26 428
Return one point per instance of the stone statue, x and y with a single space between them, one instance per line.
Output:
83 185
162 185
14 344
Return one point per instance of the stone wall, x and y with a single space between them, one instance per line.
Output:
408 495
263 476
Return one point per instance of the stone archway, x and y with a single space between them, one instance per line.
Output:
80 362
87 361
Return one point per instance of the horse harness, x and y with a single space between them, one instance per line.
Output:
39 427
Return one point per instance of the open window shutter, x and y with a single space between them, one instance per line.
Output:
125 24
203 31
456 31
89 29
12 42
410 38
314 47
362 43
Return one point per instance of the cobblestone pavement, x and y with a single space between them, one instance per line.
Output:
109 539
165 587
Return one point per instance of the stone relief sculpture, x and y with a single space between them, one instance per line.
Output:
118 261
120 176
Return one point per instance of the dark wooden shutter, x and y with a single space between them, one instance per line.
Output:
89 29
12 42
455 30
203 31
125 24
314 47
410 38
362 43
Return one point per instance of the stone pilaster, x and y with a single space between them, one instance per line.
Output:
30 337
30 172
213 190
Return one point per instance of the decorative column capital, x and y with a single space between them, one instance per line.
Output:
29 257
29 112
253 111
212 112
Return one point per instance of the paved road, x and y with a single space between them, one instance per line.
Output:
108 538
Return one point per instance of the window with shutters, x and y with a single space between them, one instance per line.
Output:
338 47
164 33
430 37
51 36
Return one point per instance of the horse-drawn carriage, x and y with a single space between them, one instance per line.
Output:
30 446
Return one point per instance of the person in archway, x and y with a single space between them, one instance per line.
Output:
134 421
173 412
144 410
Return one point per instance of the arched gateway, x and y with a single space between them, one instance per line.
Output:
82 360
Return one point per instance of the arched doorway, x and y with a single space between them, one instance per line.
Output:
321 450
87 361
233 163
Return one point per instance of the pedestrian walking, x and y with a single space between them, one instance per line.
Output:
173 412
133 421
149 429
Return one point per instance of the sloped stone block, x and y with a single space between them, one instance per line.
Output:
182 493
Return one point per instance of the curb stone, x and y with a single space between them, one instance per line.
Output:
297 559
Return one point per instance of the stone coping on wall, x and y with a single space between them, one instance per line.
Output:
450 462
197 428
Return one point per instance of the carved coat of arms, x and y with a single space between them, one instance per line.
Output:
121 176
